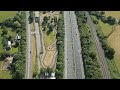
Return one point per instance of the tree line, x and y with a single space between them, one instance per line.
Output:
91 64
101 15
60 47
18 65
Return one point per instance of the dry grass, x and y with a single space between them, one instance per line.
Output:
33 54
49 57
113 13
114 41
32 27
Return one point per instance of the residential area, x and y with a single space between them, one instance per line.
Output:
59 45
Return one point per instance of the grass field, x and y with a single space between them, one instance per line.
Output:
114 41
6 14
33 55
34 61
4 74
106 28
114 38
49 38
49 57
113 69
113 13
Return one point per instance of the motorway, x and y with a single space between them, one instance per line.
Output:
69 71
29 47
77 47
103 63
73 59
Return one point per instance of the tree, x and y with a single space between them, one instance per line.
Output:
4 31
104 19
17 17
60 66
45 19
17 43
51 27
110 53
4 40
94 21
16 58
16 24
34 74
92 55
102 13
119 21
31 17
59 74
49 70
111 20
18 69
8 22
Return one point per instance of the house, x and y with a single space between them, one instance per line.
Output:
9 44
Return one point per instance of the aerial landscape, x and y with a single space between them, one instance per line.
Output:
59 44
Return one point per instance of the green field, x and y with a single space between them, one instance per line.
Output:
4 74
49 38
113 69
6 14
106 28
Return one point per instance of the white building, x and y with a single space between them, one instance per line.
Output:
9 44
